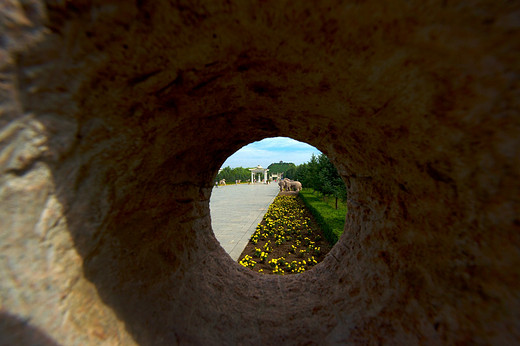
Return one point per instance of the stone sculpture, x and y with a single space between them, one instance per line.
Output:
293 186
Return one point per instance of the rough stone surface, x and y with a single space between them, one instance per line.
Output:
115 116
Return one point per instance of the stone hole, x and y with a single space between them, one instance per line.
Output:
115 116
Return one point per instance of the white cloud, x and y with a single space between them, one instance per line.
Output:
280 143
271 150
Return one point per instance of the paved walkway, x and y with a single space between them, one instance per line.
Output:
236 210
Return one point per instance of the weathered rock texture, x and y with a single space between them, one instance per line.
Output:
115 117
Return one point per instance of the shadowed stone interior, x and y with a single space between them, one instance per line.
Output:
115 117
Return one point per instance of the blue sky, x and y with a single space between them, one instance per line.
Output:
270 150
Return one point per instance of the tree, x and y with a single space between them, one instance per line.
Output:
291 172
321 175
281 167
331 182
238 173
312 177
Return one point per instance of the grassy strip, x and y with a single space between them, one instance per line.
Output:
331 220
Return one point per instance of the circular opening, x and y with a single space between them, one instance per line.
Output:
278 206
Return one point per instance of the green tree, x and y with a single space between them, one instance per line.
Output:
281 167
312 178
291 172
320 175
232 174
331 182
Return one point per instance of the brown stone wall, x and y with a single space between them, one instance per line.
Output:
115 116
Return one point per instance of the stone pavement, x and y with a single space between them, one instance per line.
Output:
236 210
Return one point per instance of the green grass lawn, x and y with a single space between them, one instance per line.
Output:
330 219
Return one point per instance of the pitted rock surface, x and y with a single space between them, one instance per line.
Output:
115 117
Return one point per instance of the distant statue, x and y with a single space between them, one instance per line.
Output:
289 185
294 186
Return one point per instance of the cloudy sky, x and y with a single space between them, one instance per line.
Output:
271 150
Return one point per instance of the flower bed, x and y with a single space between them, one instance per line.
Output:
287 241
